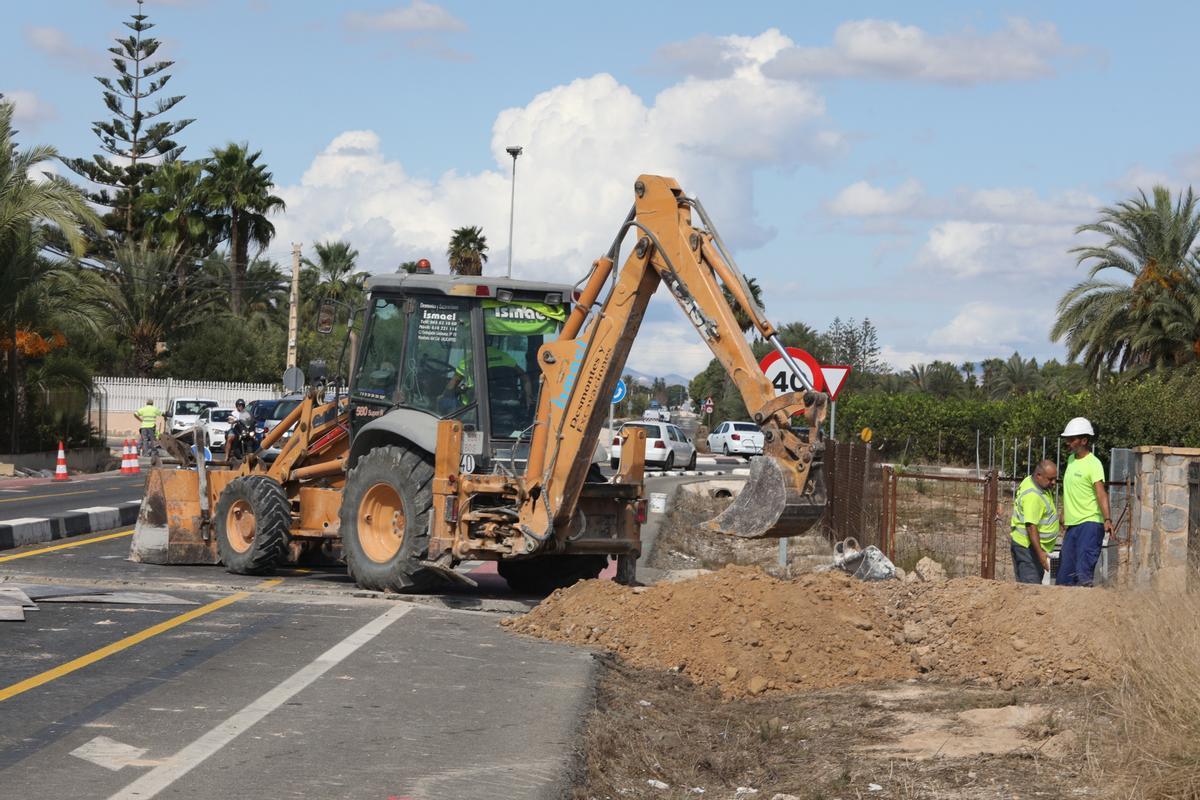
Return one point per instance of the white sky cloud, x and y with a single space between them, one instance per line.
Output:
417 16
28 109
861 199
57 44
573 185
889 50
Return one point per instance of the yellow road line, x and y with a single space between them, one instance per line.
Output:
129 641
64 546
44 496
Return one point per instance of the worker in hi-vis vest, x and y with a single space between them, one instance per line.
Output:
1085 507
148 417
1035 524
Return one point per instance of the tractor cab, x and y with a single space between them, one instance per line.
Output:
454 347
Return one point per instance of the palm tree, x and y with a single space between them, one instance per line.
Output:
742 318
177 215
33 286
146 307
1148 317
264 292
467 251
968 370
336 276
408 266
1016 376
939 378
240 188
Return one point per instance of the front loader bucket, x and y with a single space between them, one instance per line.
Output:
769 507
169 529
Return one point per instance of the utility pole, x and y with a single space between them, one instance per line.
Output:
512 203
294 306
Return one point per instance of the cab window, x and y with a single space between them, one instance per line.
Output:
438 376
382 347
514 332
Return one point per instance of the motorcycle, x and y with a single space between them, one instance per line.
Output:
240 440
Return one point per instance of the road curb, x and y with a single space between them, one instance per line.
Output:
36 530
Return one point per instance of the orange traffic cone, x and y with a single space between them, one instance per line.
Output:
125 458
135 467
60 468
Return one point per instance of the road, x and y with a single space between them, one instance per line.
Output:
296 685
24 498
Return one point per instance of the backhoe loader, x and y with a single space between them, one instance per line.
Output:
473 410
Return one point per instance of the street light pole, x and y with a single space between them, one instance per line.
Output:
514 152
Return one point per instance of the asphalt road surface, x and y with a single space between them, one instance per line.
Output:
40 498
295 685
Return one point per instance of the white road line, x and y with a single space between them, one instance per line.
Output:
194 754
108 753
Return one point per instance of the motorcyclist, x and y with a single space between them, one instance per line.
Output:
241 424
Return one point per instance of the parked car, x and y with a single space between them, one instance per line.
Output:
182 412
261 411
211 426
736 438
666 445
284 406
656 415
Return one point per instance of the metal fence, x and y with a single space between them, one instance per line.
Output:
130 394
852 478
949 518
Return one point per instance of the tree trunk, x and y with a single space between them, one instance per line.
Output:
14 372
236 269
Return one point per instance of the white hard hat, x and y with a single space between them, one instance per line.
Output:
1079 427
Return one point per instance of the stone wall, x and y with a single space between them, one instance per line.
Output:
1159 549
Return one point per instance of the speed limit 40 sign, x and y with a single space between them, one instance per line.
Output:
828 379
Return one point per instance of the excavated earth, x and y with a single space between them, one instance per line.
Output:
747 634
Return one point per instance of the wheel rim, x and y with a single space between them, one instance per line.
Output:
381 523
239 526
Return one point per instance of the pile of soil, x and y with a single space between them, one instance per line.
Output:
746 633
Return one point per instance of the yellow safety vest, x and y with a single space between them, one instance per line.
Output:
149 416
1034 505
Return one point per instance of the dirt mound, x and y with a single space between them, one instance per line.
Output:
748 633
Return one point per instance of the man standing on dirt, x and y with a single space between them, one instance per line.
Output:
1035 524
1085 507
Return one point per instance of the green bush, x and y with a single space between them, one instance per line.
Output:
1156 409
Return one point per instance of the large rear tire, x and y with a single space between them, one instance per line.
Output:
544 574
385 520
253 520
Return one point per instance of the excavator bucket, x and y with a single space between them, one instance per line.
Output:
769 506
169 529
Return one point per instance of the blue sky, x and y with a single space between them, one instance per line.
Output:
923 165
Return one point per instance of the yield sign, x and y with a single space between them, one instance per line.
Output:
835 378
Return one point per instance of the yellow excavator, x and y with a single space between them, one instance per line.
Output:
470 428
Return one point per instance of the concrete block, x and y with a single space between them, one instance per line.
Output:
1176 496
1172 519
1176 551
1146 519
1174 461
1148 463
1174 475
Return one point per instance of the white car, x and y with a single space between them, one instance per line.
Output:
666 446
212 426
736 438
182 413
656 415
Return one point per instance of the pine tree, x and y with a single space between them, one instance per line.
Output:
133 137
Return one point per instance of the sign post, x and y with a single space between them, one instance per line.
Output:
618 395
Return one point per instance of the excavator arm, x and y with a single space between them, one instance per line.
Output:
785 493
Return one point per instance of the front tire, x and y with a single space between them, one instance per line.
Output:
691 465
253 521
384 520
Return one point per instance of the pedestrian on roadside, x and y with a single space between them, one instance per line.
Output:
1035 524
148 417
1086 513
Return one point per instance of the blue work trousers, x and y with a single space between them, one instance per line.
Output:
1079 554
